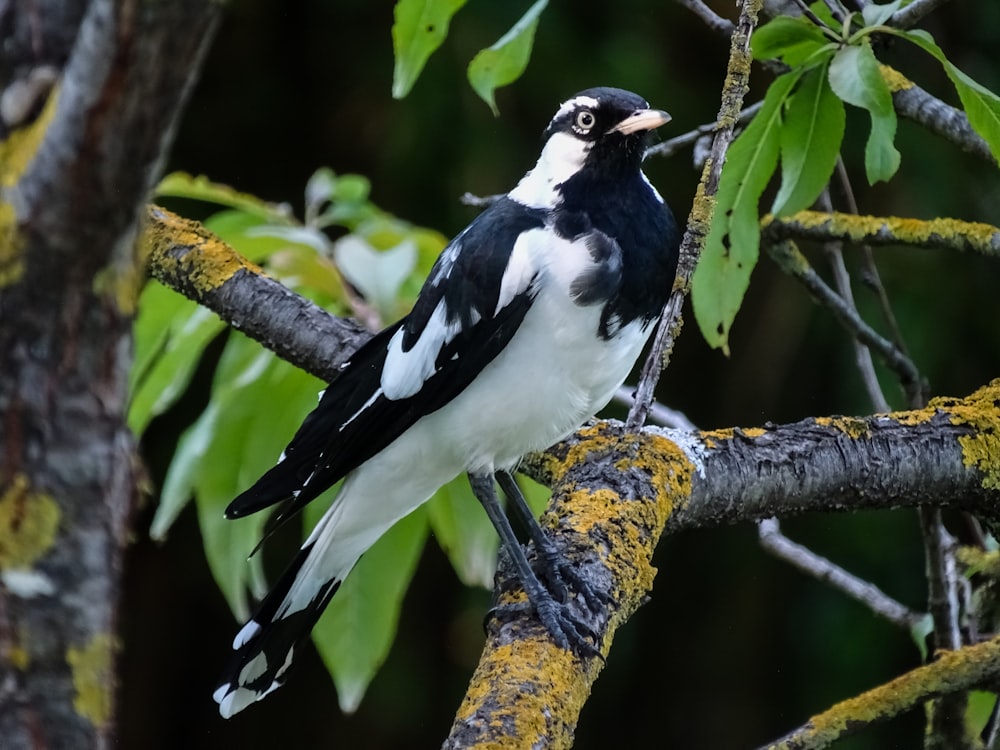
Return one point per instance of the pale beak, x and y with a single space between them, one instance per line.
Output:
643 119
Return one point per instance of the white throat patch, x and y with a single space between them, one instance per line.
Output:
562 157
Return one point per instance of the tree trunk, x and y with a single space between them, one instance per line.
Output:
89 96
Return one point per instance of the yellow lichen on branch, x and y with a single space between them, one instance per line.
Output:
29 521
17 152
182 249
966 236
952 671
527 691
93 678
981 412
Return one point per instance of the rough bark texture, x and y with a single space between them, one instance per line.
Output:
91 93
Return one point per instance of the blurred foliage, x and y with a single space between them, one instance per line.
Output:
728 632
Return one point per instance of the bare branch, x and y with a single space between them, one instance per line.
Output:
658 413
672 145
913 13
715 22
918 105
792 262
824 570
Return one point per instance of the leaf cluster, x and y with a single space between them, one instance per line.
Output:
829 61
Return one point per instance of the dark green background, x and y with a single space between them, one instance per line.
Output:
734 648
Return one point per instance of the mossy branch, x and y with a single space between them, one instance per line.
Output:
952 672
943 234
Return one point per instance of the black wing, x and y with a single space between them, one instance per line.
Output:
466 313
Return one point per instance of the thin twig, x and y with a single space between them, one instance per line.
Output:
673 145
913 13
870 276
883 605
862 354
659 414
715 22
790 259
699 220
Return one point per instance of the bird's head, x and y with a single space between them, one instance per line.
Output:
603 130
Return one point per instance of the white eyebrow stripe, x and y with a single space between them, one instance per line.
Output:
577 101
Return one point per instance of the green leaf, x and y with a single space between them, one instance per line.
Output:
855 78
733 242
505 61
979 711
420 27
464 532
171 334
982 106
874 14
356 632
792 39
378 275
811 134
183 185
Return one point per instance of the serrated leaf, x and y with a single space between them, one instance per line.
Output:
874 14
355 634
811 134
792 39
856 79
504 62
982 106
464 532
731 248
419 28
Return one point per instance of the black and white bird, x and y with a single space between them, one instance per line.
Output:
530 320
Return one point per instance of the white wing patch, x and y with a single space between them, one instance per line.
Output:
521 269
405 373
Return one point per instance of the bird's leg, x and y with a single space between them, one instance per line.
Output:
565 629
554 565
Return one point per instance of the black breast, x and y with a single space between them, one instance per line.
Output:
627 212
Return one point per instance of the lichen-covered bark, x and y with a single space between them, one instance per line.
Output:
90 95
187 257
613 495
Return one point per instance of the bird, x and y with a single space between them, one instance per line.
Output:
529 321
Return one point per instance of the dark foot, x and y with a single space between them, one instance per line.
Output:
567 630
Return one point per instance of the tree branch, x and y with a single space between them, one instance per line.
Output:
914 103
953 672
700 218
944 234
794 263
868 594
191 260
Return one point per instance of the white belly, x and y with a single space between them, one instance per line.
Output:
554 374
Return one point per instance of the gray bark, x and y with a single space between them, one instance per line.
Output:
117 74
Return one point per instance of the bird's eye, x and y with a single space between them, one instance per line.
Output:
585 120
